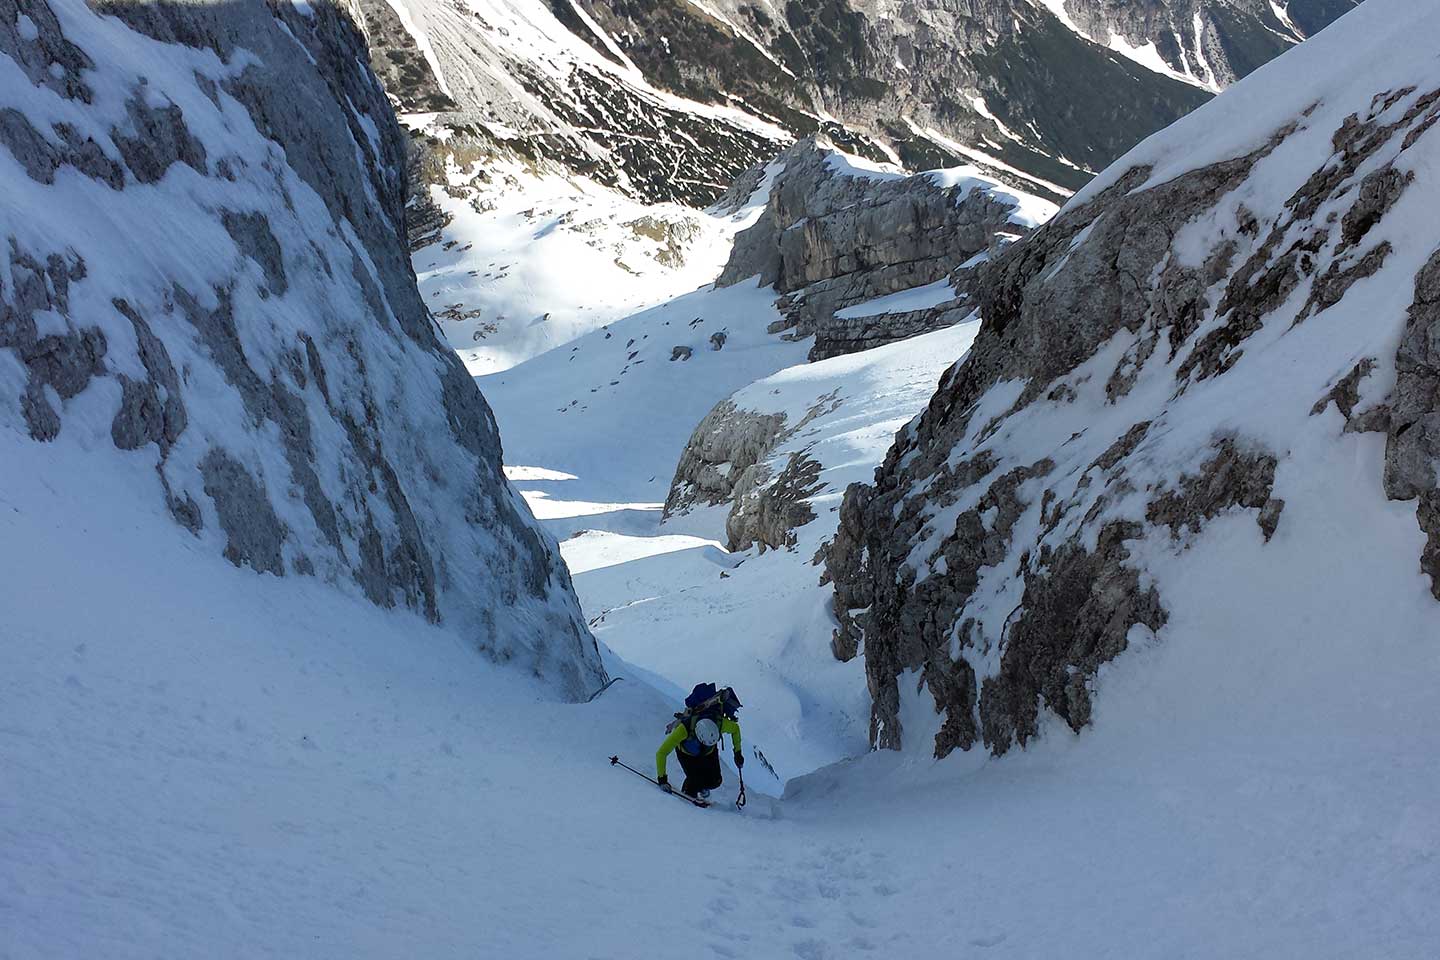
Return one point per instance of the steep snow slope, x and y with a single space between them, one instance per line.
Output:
206 277
298 773
1194 424
530 262
203 762
763 626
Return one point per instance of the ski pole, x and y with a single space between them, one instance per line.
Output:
615 761
740 800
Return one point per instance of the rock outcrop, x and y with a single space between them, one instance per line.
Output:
833 235
1146 373
778 455
724 462
205 268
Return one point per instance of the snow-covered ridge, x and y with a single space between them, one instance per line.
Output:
207 275
1195 415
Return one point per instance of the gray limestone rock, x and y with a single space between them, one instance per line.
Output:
1412 448
731 458
251 233
156 138
290 389
1086 309
1232 477
255 534
829 239
726 446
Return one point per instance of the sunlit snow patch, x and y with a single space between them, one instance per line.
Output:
537 473
598 549
916 298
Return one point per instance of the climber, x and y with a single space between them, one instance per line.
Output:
695 735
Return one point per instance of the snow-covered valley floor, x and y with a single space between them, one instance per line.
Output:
200 761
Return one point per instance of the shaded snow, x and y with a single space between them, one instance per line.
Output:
203 762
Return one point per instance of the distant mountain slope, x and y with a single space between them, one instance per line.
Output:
543 131
670 100
206 279
507 80
1039 85
1201 407
1210 43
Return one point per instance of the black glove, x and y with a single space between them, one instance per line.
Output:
739 760
665 784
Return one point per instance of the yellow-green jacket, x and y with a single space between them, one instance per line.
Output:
678 741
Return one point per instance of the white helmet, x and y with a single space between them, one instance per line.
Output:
707 731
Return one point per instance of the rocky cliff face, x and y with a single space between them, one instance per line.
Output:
942 81
834 235
1154 416
669 101
205 269
1201 42
500 79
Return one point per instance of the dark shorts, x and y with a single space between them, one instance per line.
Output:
702 772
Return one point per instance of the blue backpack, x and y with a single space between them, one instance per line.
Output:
705 701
